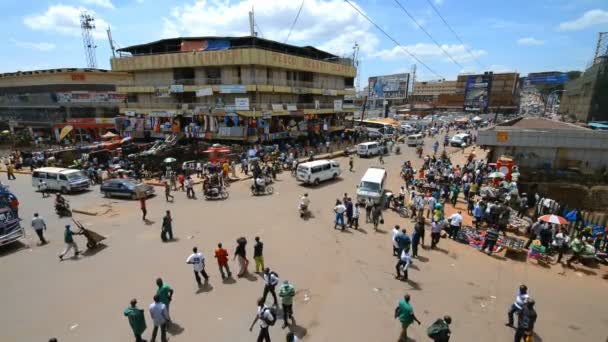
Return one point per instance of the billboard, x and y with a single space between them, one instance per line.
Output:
389 86
477 93
546 79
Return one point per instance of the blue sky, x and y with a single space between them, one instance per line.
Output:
524 36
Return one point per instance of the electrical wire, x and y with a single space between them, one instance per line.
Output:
428 34
294 22
454 32
394 40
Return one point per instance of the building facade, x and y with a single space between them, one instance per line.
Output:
44 101
429 91
586 98
233 88
488 92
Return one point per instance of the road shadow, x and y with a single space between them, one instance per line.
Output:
444 251
298 330
12 248
322 184
205 287
414 267
249 276
380 231
308 216
228 280
422 258
537 338
149 222
415 286
360 230
174 329
345 230
498 257
92 251
583 270
521 257
174 240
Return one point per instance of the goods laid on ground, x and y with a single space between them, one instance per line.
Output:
468 235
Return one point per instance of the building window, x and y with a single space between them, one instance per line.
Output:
349 82
214 75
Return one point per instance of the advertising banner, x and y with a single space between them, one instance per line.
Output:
277 107
477 93
233 89
389 86
161 92
337 105
241 103
176 88
204 92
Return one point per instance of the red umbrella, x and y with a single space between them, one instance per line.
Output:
555 219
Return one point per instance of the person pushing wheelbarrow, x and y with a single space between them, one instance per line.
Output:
92 237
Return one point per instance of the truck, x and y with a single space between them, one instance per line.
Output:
10 225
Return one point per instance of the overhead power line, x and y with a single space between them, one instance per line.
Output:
428 34
294 21
394 40
454 32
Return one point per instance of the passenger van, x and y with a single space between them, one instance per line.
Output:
59 179
372 185
318 171
415 140
368 149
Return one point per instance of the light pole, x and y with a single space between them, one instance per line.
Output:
548 96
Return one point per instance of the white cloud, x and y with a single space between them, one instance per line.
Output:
331 25
99 3
438 2
590 18
64 20
530 41
426 51
42 46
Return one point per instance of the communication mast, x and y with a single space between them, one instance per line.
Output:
356 65
87 24
601 51
413 81
109 32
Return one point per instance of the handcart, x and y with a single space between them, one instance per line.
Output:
92 237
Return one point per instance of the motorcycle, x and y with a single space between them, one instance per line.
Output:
304 212
216 193
267 190
63 209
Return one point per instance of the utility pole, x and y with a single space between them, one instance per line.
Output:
87 24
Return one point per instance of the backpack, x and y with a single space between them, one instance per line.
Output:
437 329
273 314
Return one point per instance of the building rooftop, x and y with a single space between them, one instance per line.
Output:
189 44
53 71
528 123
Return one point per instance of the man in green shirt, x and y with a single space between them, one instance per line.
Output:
68 238
165 293
405 313
287 292
137 321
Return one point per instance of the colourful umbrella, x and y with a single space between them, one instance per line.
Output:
555 219
496 175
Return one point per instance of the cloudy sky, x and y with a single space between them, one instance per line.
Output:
525 36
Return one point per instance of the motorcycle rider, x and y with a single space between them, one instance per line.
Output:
304 202
259 183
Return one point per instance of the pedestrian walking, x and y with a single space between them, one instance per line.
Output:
419 228
166 233
287 292
395 233
165 295
377 216
455 222
222 260
525 321
197 260
415 243
168 192
160 318
490 240
402 265
181 180
271 279
349 212
405 313
142 205
137 321
351 163
190 188
520 299
267 318
241 254
356 211
560 243
440 331
68 238
435 233
39 227
369 205
10 171
258 255
42 187
339 209
381 158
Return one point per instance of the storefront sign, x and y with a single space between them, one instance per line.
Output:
105 120
79 77
233 89
317 104
277 107
130 113
161 92
337 104
502 137
330 92
241 103
266 115
176 88
204 92
292 107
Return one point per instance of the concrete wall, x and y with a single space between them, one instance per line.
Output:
65 77
577 139
156 78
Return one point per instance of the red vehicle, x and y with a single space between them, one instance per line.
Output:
218 153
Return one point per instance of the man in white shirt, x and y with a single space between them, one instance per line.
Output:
339 209
271 279
455 222
42 187
435 233
39 225
160 317
395 244
403 264
197 261
190 188
518 305
266 318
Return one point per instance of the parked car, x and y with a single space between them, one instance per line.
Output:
127 188
459 139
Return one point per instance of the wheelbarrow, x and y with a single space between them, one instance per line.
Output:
92 237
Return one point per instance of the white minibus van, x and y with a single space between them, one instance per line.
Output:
318 171
60 179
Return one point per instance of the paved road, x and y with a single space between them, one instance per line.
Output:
345 280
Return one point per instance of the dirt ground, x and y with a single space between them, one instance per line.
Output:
345 283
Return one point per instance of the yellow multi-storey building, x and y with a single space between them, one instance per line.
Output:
238 88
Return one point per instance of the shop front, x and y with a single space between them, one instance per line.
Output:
85 129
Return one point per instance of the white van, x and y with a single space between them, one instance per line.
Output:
415 140
64 180
372 185
317 171
368 149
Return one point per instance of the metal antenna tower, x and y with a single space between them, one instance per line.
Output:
87 24
413 80
109 32
602 47
356 65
